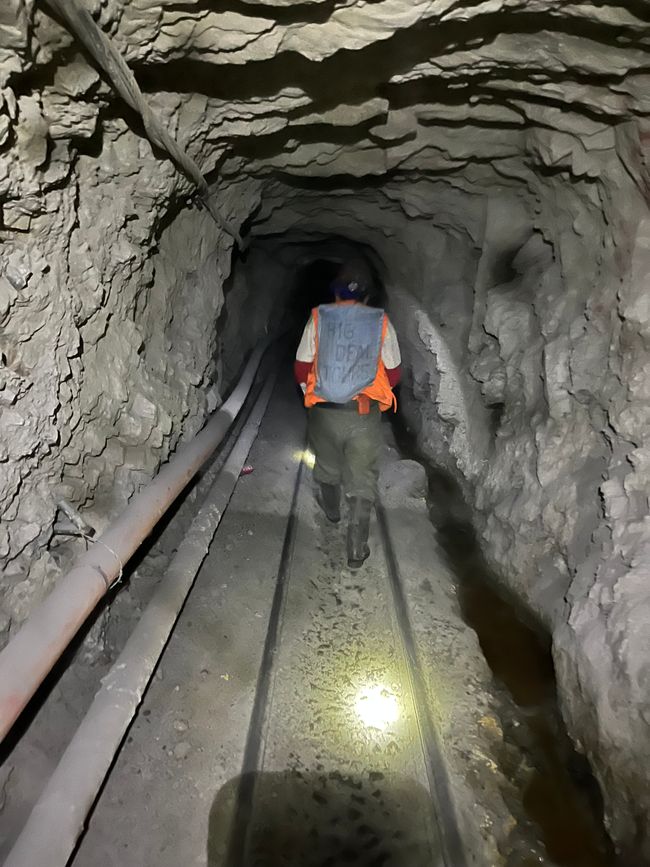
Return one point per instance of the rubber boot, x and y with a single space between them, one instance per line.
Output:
358 529
329 499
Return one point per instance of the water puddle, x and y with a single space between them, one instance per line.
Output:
561 796
561 801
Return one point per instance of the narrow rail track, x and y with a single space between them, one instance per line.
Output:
342 800
290 721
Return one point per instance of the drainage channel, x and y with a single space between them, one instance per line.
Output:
560 800
560 794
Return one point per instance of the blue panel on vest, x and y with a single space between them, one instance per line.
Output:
349 346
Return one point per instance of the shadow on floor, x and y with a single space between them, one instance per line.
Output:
321 819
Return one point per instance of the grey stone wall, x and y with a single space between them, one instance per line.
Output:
490 159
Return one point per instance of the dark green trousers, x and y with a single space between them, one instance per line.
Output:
347 448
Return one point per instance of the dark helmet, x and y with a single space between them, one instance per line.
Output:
353 280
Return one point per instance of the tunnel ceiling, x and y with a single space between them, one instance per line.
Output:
491 160
485 93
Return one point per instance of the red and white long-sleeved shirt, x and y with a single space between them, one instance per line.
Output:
306 353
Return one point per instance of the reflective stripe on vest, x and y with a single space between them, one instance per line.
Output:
378 390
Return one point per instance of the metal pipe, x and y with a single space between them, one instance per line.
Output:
58 817
31 654
109 59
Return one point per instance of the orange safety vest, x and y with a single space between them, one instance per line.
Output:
378 390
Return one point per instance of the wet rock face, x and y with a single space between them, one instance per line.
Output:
489 160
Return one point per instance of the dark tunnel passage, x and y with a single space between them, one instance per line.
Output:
313 286
546 786
180 185
561 806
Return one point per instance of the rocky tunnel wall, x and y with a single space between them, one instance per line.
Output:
491 163
513 347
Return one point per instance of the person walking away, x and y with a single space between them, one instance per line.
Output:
348 363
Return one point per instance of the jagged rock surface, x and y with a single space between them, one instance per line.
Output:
491 159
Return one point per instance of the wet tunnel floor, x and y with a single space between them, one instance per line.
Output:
283 726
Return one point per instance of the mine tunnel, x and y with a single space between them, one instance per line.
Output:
191 670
